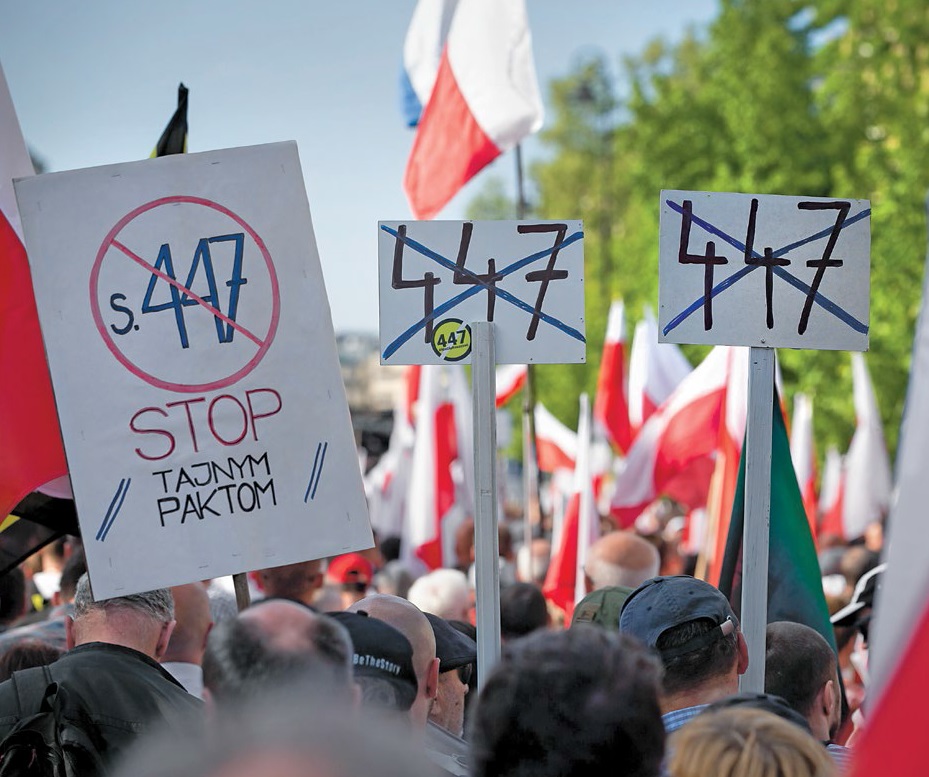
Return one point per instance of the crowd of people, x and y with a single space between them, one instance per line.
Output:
359 663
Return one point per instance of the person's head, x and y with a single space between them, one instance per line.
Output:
285 735
696 633
394 579
12 596
24 654
620 558
277 643
739 742
74 567
522 610
297 582
409 620
443 592
194 621
457 655
382 661
565 703
532 561
801 668
352 574
143 622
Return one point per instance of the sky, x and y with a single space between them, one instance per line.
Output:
95 83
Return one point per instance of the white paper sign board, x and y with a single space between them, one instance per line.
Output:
764 270
194 366
439 277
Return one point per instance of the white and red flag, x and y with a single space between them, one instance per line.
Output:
556 444
31 451
441 476
898 661
564 582
611 410
831 495
866 496
484 101
803 454
655 371
510 380
673 454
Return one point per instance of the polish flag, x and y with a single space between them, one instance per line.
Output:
674 453
441 477
898 661
803 453
655 371
510 380
31 452
867 465
564 583
611 411
484 101
556 444
830 495
422 53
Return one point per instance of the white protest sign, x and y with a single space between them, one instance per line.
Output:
439 277
764 270
194 365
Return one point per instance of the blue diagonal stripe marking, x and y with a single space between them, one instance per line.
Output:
113 510
480 285
820 299
319 473
309 485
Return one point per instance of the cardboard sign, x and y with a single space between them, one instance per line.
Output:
194 365
764 270
439 277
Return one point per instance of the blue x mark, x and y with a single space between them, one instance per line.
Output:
480 285
820 299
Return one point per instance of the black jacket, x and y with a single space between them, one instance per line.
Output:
121 690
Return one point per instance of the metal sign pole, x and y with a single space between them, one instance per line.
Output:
486 549
756 537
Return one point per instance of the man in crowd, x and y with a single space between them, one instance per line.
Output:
581 701
620 558
693 628
111 675
801 668
184 654
298 582
409 620
277 643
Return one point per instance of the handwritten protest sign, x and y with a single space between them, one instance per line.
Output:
764 270
439 277
194 365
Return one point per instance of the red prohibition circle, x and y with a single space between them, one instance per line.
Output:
135 369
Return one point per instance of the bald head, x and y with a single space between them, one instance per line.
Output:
621 558
194 621
409 620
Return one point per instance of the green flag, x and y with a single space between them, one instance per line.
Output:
174 139
795 588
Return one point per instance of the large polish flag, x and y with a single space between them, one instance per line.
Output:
31 452
893 738
556 445
441 478
484 101
422 53
611 411
803 454
655 371
674 453
867 465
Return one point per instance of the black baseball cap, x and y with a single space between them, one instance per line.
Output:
380 650
453 648
664 603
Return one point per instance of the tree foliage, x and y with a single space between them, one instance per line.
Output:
818 98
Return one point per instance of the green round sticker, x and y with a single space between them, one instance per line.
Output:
451 339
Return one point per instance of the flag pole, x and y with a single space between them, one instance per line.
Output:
486 541
532 513
756 539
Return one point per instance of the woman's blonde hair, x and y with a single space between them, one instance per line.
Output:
746 743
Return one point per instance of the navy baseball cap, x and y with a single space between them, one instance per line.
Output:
453 648
664 603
